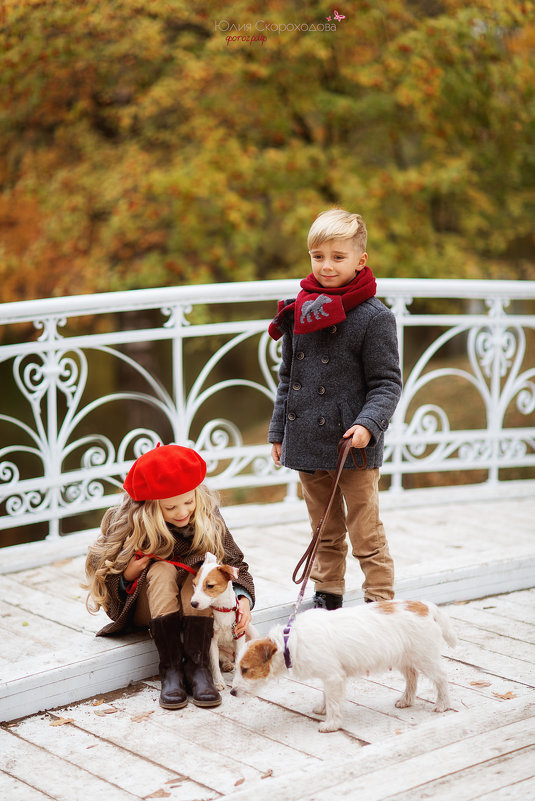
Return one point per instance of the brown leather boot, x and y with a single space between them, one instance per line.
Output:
198 632
165 632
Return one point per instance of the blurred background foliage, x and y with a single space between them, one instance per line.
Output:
139 147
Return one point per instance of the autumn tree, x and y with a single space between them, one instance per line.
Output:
147 144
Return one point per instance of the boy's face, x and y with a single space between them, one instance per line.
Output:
336 262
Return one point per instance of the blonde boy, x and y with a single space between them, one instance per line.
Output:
339 377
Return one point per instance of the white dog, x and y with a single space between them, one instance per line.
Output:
354 641
213 588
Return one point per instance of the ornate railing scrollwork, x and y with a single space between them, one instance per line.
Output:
78 408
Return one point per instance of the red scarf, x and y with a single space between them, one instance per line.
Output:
317 307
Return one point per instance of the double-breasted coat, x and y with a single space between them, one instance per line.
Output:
334 378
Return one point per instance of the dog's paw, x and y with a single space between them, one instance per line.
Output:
319 709
326 727
227 666
219 685
402 703
441 708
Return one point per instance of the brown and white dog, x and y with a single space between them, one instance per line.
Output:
213 588
353 641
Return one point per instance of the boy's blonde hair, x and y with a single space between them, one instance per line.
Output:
139 526
338 224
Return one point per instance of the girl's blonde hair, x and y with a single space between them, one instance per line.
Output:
139 526
338 224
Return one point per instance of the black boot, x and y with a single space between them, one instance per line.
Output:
327 600
198 633
165 632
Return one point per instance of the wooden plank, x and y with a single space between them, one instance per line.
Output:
159 738
488 621
487 762
78 678
517 791
266 737
491 775
24 635
423 741
114 763
53 776
12 789
72 614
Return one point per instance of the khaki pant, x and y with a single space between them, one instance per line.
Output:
161 595
359 518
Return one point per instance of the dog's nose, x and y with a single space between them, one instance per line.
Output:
234 691
194 604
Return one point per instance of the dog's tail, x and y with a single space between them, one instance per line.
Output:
445 625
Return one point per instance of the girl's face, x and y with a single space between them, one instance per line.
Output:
178 510
336 262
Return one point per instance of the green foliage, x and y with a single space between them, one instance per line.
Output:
142 147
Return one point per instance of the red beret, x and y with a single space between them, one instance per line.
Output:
163 472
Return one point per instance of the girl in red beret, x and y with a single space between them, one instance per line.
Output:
141 567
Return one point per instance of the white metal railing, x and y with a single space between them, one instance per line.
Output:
110 375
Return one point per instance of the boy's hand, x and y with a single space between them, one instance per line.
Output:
276 450
361 436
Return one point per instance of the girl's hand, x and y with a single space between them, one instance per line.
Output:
244 616
135 568
361 436
276 450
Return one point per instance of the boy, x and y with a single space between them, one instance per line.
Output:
339 377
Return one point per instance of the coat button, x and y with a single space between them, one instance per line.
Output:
321 390
321 421
332 329
325 360
291 416
299 355
296 386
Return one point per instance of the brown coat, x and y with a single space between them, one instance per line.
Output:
121 609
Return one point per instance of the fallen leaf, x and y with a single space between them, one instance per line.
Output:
97 701
480 683
143 716
267 774
109 711
159 794
505 696
176 782
61 721
25 623
62 562
239 781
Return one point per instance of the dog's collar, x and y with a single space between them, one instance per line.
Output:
236 609
286 637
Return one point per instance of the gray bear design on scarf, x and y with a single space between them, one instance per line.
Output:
314 307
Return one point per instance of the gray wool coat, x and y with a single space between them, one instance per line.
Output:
332 379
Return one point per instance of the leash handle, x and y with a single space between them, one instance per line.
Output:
344 448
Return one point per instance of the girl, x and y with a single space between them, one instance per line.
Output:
140 569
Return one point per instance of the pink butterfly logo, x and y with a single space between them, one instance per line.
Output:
338 17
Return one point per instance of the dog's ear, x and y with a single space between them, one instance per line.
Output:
230 573
266 650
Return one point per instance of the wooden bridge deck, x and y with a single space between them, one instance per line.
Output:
122 745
